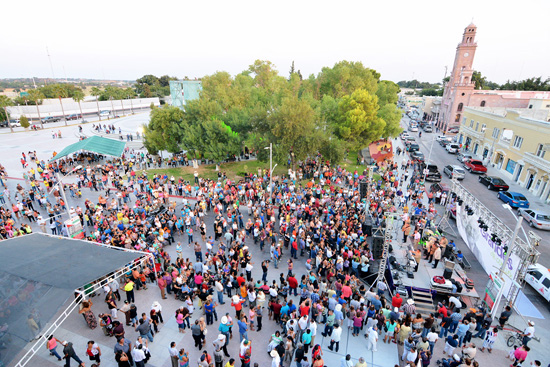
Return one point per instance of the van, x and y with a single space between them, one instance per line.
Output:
538 277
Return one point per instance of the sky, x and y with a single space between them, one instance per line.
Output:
402 40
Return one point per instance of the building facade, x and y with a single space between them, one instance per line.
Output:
513 143
460 91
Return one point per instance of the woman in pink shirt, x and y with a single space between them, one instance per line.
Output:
51 345
520 354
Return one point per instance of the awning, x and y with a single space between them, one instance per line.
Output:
94 144
38 274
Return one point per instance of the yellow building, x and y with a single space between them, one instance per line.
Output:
513 141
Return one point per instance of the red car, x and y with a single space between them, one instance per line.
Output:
475 166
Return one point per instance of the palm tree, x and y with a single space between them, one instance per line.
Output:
37 96
78 96
61 93
96 92
4 103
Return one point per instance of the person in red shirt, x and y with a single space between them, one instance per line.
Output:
276 307
396 301
293 284
347 292
442 310
240 279
237 302
304 308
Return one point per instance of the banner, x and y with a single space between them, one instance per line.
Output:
489 254
74 228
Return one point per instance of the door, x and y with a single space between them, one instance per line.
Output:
476 146
530 181
543 188
518 172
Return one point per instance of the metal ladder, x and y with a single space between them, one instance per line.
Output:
390 218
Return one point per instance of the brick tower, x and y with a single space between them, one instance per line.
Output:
460 85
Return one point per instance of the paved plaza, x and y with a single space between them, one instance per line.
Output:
74 329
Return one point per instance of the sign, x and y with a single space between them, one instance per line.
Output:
74 228
493 289
488 253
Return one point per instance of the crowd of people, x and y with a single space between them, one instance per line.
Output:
319 224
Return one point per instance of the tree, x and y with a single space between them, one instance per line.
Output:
36 96
96 92
345 77
387 92
431 92
391 115
535 84
24 121
211 139
165 130
358 123
5 102
78 96
61 93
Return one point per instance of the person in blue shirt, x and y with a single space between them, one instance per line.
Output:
243 328
306 340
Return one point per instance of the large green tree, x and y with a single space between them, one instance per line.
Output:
165 130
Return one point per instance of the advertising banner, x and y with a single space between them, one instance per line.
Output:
489 254
74 228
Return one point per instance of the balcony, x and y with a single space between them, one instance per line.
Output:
467 130
538 162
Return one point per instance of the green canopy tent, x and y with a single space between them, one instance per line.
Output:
94 144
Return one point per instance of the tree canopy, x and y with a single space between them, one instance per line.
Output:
346 106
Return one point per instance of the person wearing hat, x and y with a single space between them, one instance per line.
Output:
529 332
221 343
68 353
276 361
245 351
409 308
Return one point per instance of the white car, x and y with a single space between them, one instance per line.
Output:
105 113
452 148
538 277
454 172
535 218
413 128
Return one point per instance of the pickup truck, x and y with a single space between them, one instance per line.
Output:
475 166
45 120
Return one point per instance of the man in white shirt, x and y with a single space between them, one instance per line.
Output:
529 332
335 338
432 337
174 354
372 335
139 356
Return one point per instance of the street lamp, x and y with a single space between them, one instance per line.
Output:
271 168
60 185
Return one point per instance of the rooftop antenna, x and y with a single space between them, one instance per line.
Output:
50 59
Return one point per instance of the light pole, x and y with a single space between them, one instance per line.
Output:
271 168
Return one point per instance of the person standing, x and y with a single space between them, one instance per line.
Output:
490 339
245 351
372 335
94 352
129 289
68 353
520 355
124 347
529 332
504 316
174 354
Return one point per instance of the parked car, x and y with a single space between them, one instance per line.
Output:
536 218
463 157
413 128
445 142
440 186
453 130
428 128
433 173
105 113
404 135
452 148
514 199
417 156
454 171
474 165
413 147
45 120
493 183
538 277
74 116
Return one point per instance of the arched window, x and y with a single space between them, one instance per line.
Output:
460 105
457 118
482 104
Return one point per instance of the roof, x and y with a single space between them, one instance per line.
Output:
38 274
95 144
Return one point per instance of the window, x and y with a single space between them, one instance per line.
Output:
457 118
483 128
548 106
460 105
518 141
510 166
482 104
464 120
530 106
496 133
536 274
477 125
540 151
546 283
471 123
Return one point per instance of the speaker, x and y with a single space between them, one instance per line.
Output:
447 273
363 187
367 226
377 246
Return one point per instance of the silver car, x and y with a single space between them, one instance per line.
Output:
463 157
454 171
535 218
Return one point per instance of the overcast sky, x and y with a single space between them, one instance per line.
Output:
121 39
